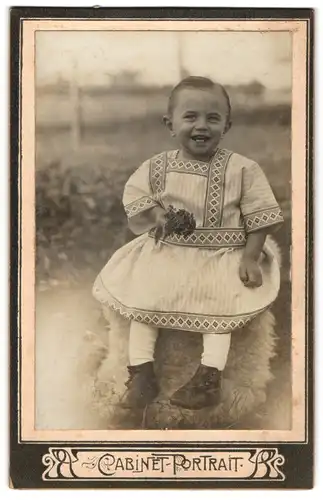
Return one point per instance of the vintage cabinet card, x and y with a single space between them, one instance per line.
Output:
161 248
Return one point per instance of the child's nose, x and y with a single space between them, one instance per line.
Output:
201 124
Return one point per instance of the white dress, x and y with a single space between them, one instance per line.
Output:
193 284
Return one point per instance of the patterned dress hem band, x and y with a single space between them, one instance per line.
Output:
198 323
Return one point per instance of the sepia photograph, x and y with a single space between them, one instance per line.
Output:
201 323
163 285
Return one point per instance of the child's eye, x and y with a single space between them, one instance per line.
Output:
189 117
214 118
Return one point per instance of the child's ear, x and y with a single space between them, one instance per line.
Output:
168 123
227 127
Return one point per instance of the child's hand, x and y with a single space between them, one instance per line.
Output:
250 272
160 222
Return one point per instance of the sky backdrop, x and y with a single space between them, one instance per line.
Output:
228 57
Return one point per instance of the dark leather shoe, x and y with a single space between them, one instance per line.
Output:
203 390
142 386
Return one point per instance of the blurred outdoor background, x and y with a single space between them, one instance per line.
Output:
100 98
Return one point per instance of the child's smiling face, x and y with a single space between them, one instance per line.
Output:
198 121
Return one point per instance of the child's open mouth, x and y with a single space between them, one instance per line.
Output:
200 139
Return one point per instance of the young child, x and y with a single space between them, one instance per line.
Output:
215 279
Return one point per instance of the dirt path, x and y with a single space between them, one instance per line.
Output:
62 320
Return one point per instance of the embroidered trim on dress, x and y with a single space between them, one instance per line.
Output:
201 323
137 206
188 167
207 238
215 191
263 218
157 173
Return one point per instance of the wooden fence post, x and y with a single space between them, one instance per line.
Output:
76 108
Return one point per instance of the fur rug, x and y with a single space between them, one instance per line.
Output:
245 379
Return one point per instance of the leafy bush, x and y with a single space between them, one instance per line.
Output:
79 218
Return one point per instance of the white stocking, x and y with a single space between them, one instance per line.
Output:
142 343
215 350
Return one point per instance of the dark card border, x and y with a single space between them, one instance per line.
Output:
26 466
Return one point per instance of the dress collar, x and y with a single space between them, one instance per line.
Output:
174 156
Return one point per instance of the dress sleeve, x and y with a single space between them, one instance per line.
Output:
138 196
258 204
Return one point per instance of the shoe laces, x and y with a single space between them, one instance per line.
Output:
131 375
